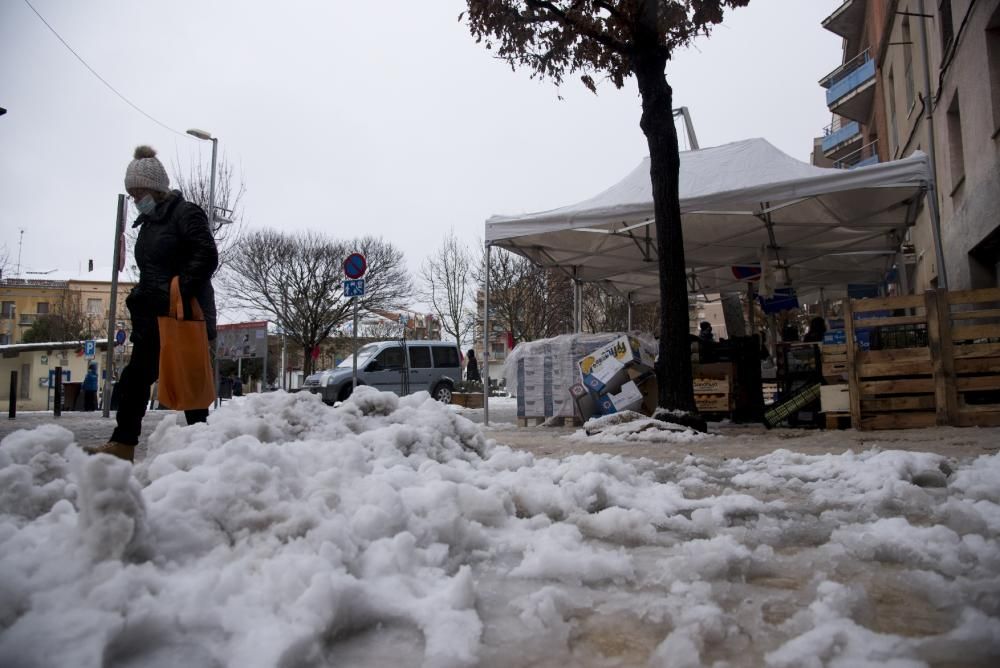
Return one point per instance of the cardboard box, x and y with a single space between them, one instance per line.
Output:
712 403
711 386
586 402
628 399
605 368
835 399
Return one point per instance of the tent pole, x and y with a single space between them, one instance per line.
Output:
942 275
486 343
901 277
577 306
630 311
822 303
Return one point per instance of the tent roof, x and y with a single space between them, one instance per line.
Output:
821 227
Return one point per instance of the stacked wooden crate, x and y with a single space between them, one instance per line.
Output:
947 374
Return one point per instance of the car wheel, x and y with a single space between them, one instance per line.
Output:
345 392
443 393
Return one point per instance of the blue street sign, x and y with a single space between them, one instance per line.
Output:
90 348
355 288
355 265
120 337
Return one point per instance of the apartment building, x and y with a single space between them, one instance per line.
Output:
84 295
924 75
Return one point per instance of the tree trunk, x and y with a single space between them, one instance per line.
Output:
673 370
307 361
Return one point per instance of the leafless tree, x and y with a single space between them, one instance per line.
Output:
297 282
380 329
448 286
529 301
4 261
603 311
230 187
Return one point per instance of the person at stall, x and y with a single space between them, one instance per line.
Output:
817 328
790 333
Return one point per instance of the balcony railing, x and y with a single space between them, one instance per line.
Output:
838 133
848 77
864 156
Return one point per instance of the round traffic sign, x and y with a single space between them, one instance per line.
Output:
120 337
355 265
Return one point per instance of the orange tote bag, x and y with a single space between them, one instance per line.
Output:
186 378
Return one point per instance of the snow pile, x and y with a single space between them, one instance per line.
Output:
388 531
632 427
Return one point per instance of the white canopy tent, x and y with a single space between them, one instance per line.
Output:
741 203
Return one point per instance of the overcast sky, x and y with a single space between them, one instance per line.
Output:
353 118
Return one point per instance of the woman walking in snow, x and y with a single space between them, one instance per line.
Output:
174 240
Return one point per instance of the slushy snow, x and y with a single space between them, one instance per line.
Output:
389 532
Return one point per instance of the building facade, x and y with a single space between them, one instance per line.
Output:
924 75
84 298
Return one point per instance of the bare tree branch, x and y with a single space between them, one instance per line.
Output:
297 282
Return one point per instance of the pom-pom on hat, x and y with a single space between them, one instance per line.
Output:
146 171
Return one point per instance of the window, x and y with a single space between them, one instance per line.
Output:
420 357
893 131
908 63
993 60
8 310
94 306
945 25
390 358
4 339
446 356
42 308
955 148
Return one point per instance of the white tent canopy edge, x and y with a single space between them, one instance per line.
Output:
742 203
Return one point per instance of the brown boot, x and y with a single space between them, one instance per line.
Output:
113 448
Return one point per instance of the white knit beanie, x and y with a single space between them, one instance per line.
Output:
146 171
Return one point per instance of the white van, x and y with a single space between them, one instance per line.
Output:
433 366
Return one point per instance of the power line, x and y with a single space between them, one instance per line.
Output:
99 77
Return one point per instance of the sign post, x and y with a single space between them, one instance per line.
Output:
119 264
355 267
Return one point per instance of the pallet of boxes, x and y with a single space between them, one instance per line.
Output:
571 378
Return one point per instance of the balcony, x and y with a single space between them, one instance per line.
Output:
850 89
848 21
862 157
839 137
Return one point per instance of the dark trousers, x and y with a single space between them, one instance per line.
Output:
133 388
90 400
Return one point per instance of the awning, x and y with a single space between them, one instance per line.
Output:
740 203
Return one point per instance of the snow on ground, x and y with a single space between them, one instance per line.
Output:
391 532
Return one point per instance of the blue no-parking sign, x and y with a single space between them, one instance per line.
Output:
355 265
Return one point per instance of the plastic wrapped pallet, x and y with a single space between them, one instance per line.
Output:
541 373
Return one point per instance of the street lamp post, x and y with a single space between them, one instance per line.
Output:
207 136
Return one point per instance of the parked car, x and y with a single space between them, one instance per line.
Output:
434 366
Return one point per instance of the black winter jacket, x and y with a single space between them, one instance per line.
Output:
174 240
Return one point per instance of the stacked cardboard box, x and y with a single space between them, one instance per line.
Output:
616 377
541 373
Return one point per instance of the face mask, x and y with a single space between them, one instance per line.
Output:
146 204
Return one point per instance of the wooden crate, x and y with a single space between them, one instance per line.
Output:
952 380
834 362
